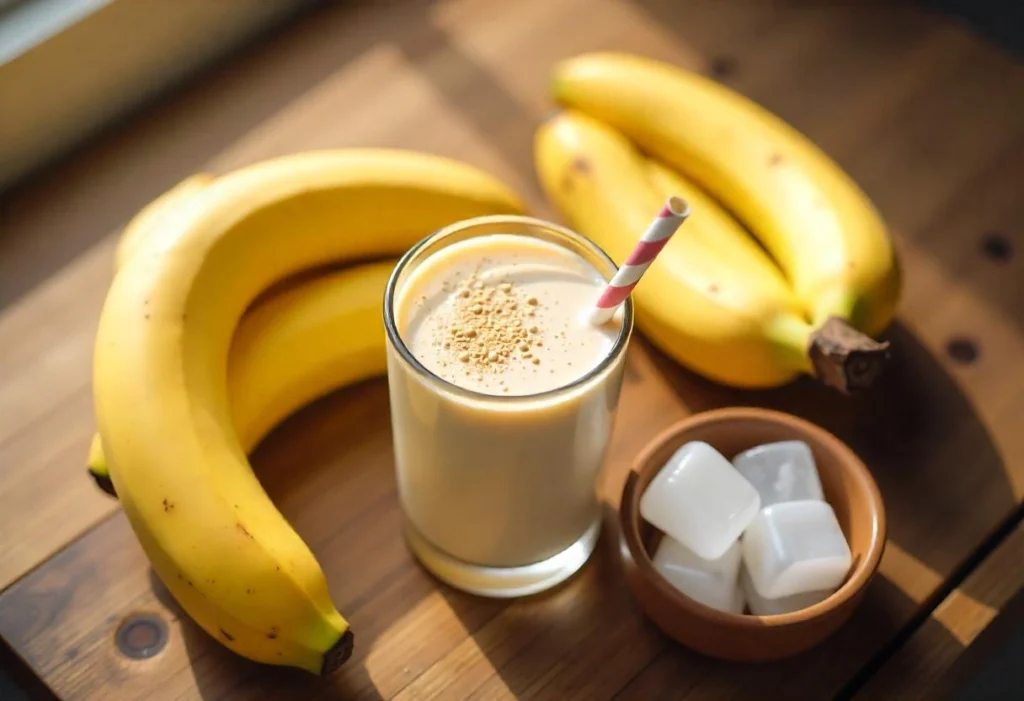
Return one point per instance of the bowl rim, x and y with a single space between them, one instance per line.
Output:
629 521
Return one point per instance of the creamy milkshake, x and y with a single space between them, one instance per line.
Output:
502 400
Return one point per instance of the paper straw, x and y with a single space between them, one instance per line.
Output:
653 240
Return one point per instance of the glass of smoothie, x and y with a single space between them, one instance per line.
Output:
503 396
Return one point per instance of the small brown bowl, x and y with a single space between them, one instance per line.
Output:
848 487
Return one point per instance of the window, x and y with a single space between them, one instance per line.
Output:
69 67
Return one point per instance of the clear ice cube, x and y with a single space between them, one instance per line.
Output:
714 583
739 601
782 471
761 606
699 499
794 548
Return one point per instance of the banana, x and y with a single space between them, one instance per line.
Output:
821 228
160 378
149 218
288 352
713 300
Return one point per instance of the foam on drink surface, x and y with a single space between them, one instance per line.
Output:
501 315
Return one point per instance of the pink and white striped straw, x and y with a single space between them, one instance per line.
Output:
653 240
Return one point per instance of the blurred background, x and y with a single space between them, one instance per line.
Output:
70 68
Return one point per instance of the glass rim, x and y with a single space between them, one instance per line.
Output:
395 338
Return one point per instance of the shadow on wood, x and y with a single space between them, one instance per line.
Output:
932 456
476 95
589 639
816 674
583 639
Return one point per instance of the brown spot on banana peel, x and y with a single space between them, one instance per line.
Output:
168 506
580 166
244 530
272 634
774 160
227 635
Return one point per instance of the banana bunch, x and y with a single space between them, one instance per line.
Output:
201 349
825 277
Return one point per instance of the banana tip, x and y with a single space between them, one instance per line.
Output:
104 483
338 654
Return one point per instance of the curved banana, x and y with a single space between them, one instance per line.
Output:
160 378
713 300
288 351
826 235
152 218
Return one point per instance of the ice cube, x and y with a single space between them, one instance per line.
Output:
782 471
761 606
700 499
794 548
714 583
739 600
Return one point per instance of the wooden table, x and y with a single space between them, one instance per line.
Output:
925 116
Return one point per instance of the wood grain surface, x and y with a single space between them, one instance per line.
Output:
925 116
932 650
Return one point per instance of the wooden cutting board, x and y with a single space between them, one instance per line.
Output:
925 116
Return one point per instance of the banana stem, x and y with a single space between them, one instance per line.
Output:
338 654
845 358
97 464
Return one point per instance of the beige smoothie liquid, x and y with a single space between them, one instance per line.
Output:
502 475
505 314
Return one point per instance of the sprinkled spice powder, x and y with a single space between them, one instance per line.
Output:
488 328
502 316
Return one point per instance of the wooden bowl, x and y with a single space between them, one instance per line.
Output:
848 487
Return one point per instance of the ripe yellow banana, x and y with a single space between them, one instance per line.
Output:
828 238
288 351
150 217
713 300
160 378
